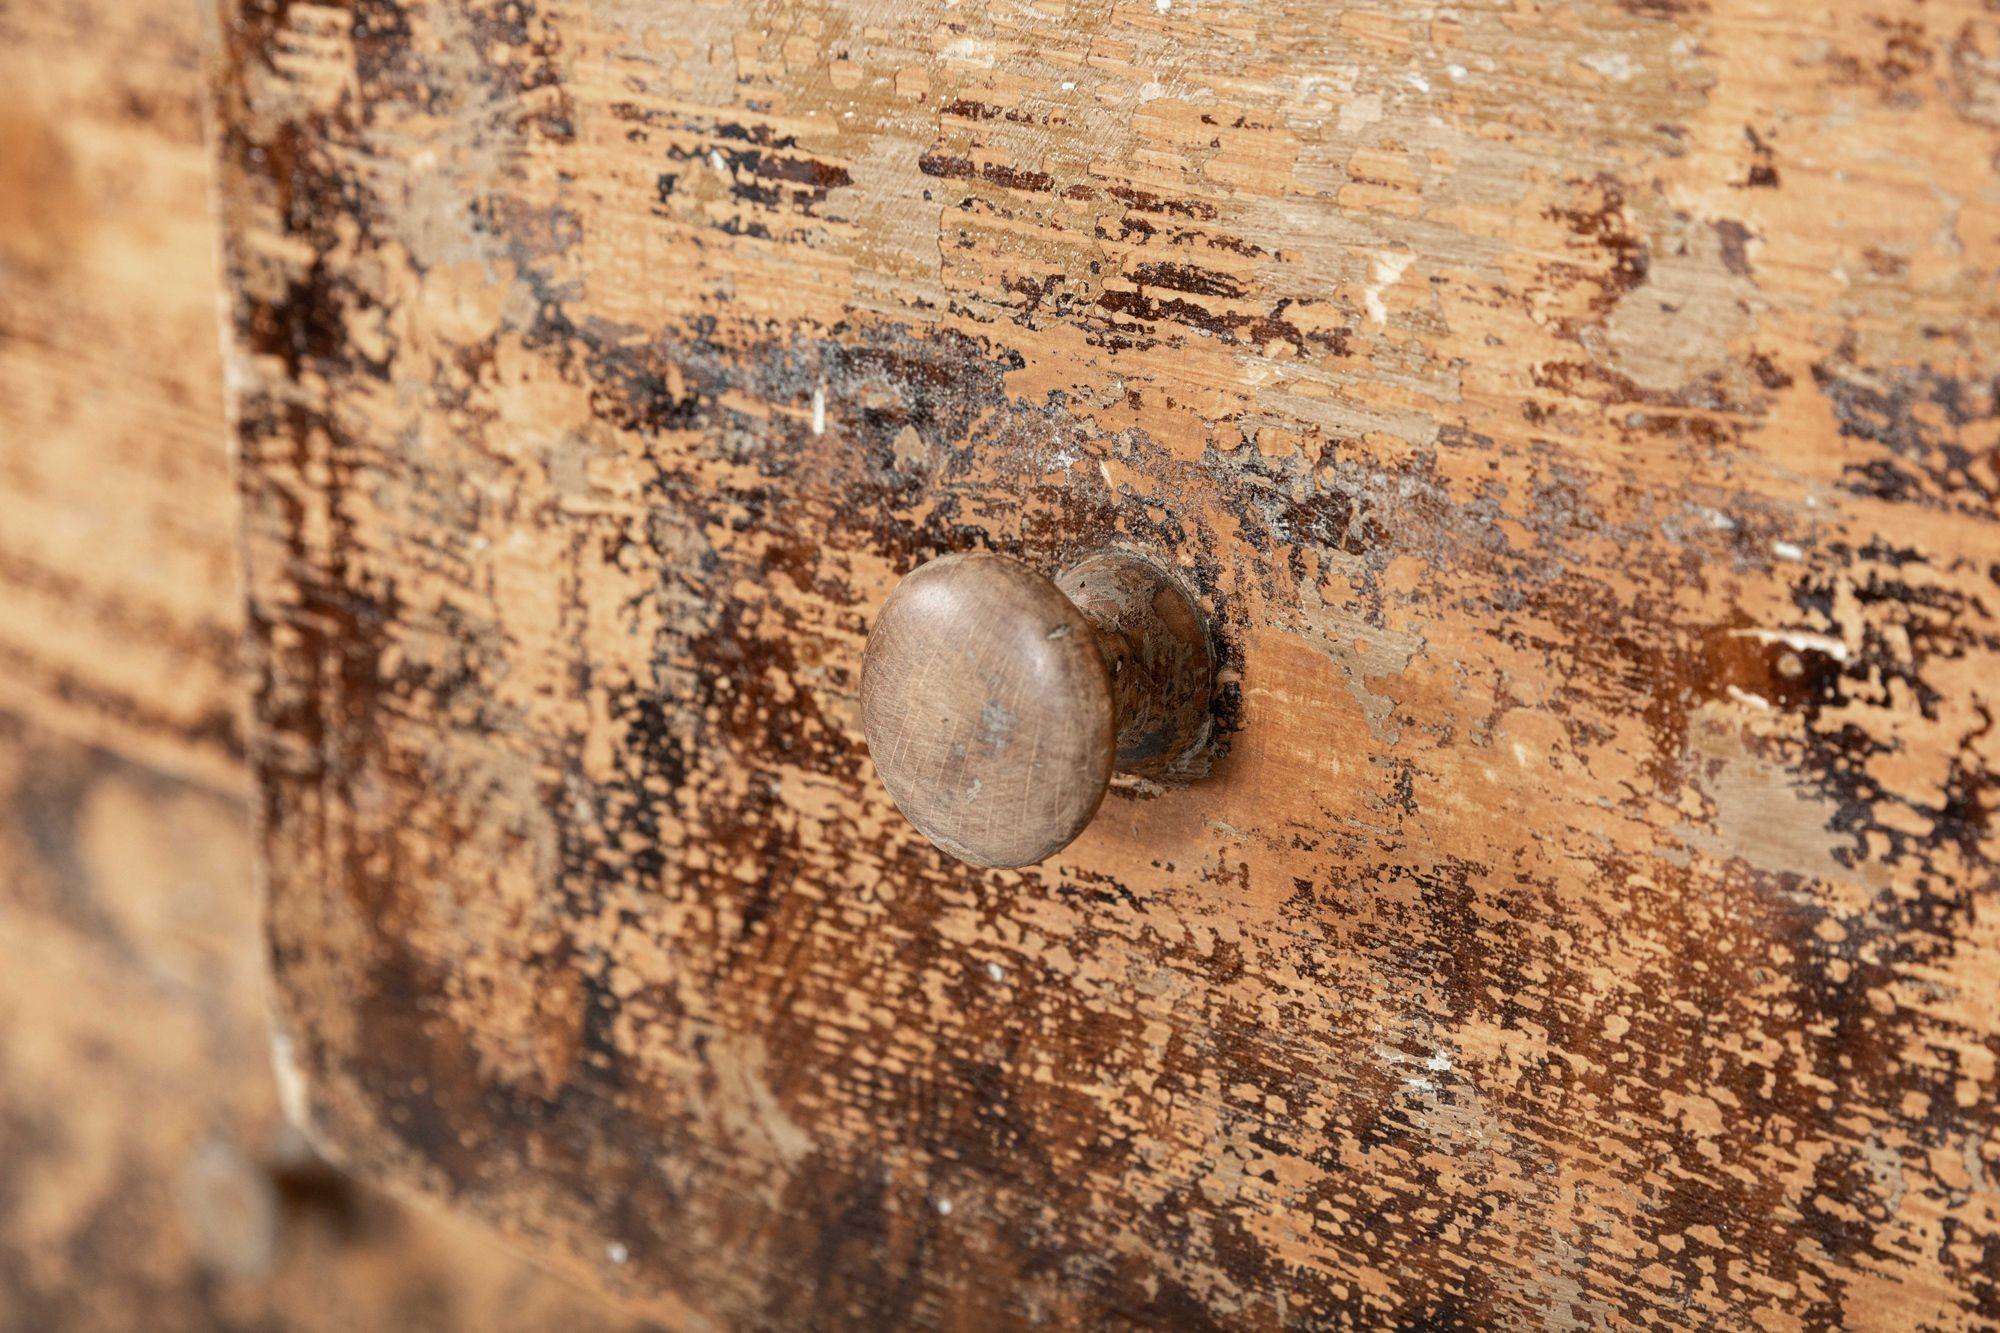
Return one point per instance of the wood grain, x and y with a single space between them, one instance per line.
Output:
987 709
148 1178
118 549
151 1179
1579 421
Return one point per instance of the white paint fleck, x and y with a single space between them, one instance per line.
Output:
1384 271
236 374
1438 1063
997 972
617 1253
1457 73
944 1207
715 160
969 51
1745 697
1162 6
1797 640
1358 113
1419 82
1069 85
819 410
1787 551
1611 64
292 1097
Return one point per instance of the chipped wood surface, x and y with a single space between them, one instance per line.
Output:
147 1176
1579 420
151 1180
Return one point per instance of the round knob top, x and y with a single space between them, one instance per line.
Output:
988 709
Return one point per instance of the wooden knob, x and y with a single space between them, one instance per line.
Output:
997 702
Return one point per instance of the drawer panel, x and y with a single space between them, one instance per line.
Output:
1578 424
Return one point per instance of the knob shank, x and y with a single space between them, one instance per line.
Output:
1158 654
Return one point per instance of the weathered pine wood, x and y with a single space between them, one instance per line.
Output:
151 1180
148 1179
118 552
1579 420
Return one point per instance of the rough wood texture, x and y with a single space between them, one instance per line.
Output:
147 1177
1579 420
118 557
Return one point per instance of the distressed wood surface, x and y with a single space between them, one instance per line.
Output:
118 553
1579 419
148 1179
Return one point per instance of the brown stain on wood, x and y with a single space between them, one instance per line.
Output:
148 1177
1578 419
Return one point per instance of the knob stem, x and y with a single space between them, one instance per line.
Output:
1157 651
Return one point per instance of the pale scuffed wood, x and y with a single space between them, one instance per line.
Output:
123 611
1579 422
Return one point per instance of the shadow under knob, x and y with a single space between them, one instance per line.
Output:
997 702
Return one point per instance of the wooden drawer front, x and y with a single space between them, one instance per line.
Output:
1578 421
